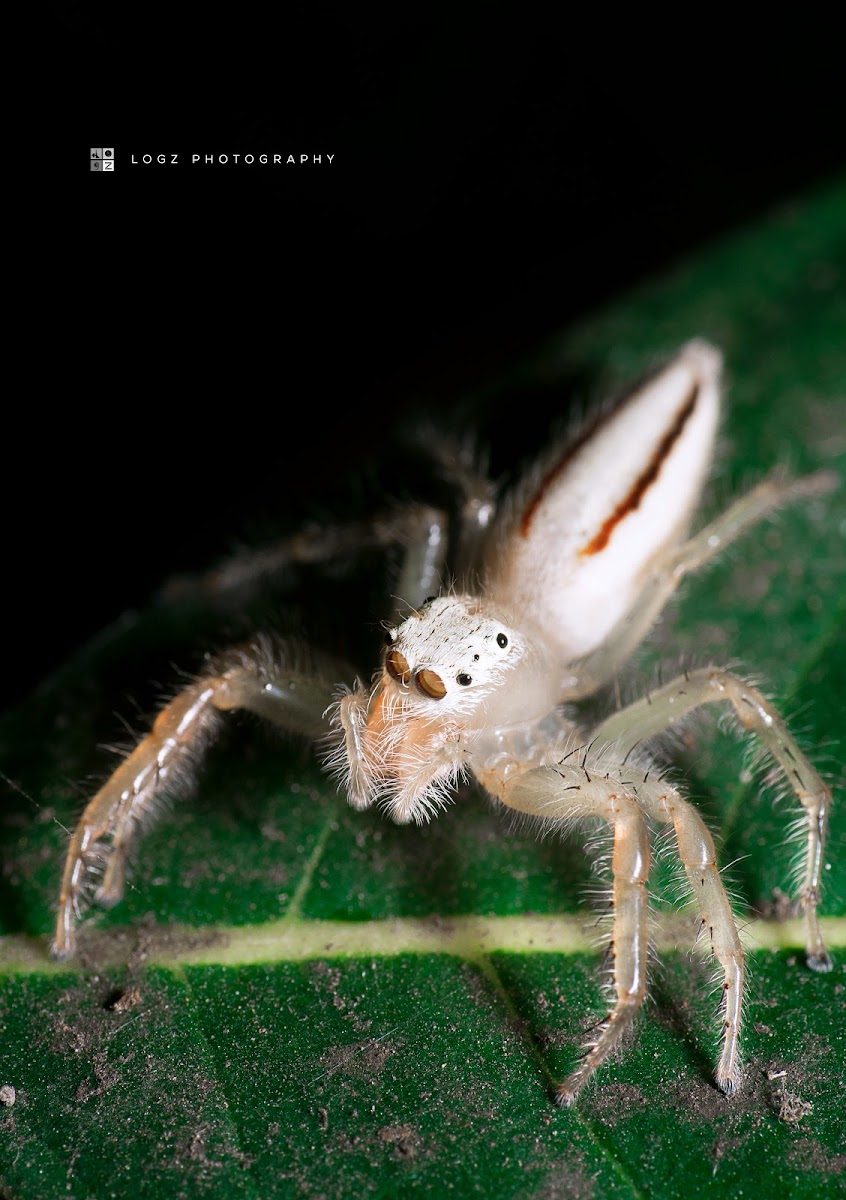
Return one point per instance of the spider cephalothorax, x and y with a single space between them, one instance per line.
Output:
451 670
449 645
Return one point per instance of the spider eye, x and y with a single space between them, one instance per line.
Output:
501 640
397 666
463 678
430 684
390 637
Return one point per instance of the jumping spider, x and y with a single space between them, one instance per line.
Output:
555 589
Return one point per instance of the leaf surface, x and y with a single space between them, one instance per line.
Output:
296 999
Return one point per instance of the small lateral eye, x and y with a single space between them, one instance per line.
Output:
463 678
390 637
501 640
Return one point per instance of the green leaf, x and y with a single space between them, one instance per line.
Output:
296 999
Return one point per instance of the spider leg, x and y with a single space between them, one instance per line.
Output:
698 856
670 703
420 528
461 465
602 664
570 793
268 679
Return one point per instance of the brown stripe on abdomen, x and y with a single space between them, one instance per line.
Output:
556 469
644 482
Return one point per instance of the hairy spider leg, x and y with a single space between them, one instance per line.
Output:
570 793
420 529
710 685
624 797
460 464
699 858
261 677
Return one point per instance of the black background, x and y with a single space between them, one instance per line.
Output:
495 178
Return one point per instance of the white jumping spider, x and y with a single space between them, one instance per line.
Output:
556 588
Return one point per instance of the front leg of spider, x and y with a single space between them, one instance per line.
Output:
281 683
623 797
568 793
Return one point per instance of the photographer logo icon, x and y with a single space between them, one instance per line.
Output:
103 158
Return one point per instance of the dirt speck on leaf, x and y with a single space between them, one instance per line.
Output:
565 1183
125 1000
807 1154
403 1140
332 977
209 1148
363 1061
792 1108
145 941
616 1099
106 1075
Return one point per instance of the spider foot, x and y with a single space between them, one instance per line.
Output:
567 1092
730 1084
63 945
93 875
565 1095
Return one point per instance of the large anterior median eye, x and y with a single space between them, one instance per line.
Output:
396 665
430 684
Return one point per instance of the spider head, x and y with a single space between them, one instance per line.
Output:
448 654
455 670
